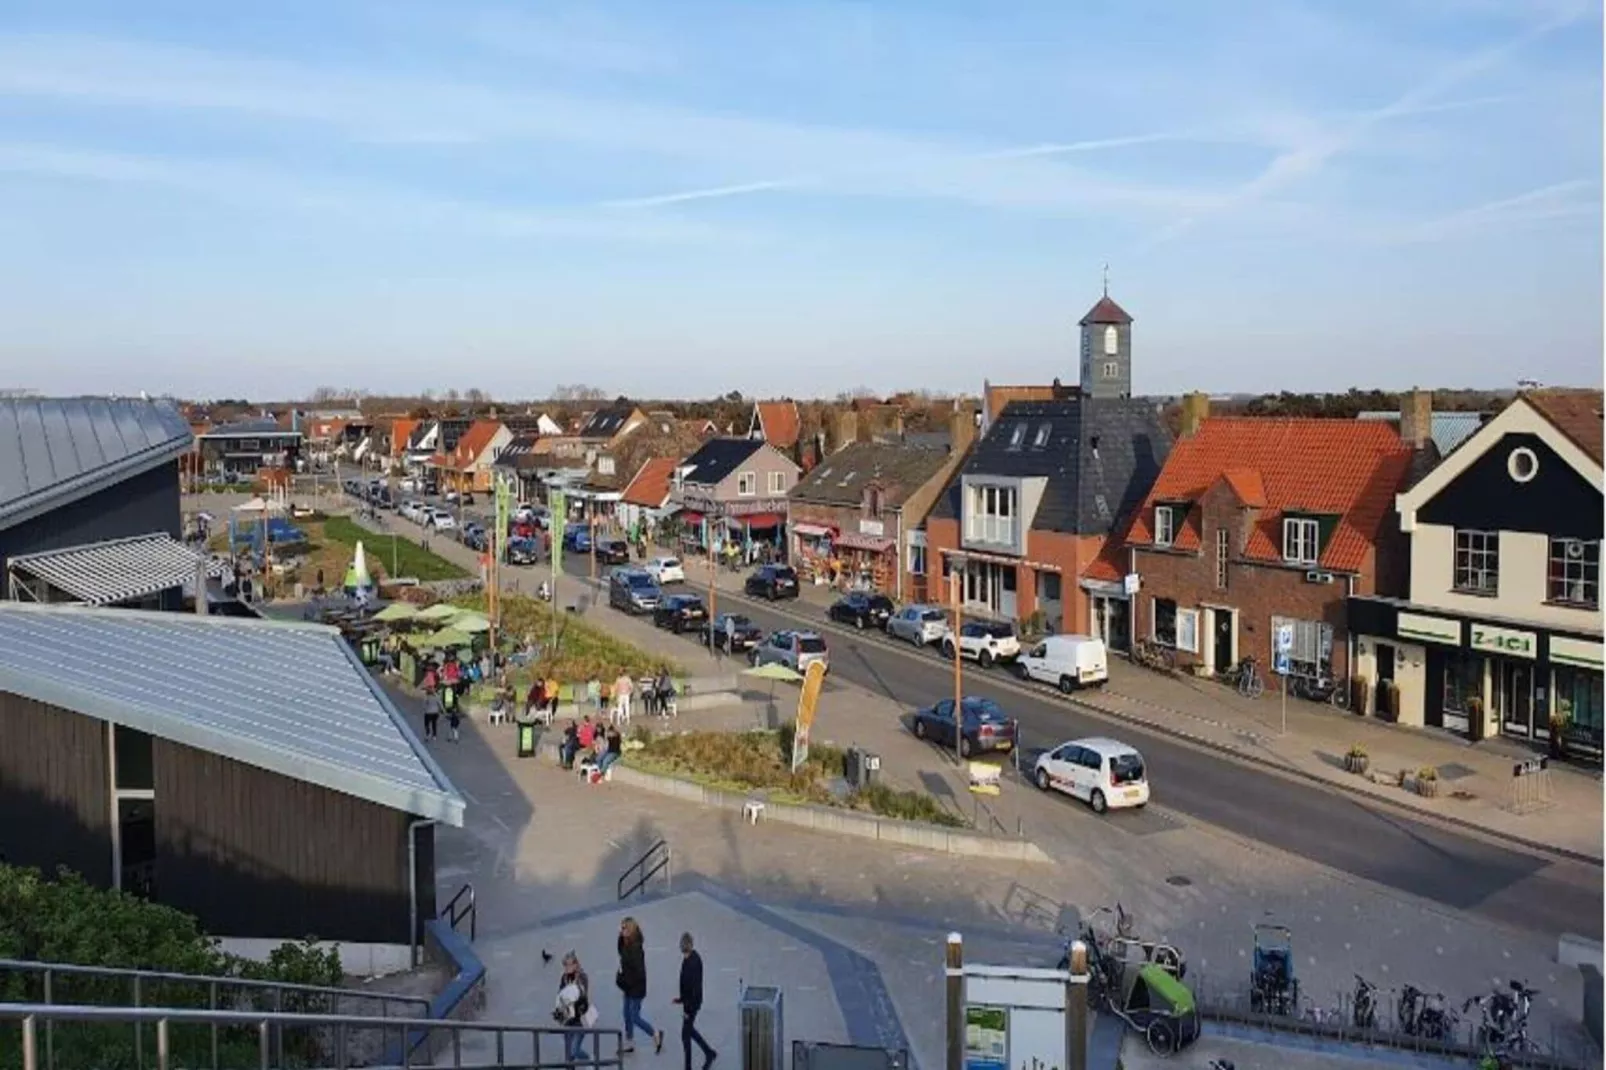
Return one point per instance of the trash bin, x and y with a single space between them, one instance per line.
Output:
853 767
526 739
763 1029
869 768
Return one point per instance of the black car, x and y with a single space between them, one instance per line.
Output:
612 552
772 582
733 633
679 612
863 610
523 552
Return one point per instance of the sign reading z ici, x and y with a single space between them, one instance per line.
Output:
1503 641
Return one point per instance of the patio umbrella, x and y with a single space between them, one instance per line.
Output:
772 671
397 611
439 612
469 623
446 639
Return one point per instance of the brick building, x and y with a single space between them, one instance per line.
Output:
1254 522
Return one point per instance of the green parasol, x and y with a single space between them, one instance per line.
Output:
446 639
396 611
469 622
440 612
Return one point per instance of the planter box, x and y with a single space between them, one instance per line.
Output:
1357 763
1428 789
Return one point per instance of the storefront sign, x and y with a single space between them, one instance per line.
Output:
1428 629
873 528
702 503
1504 641
1579 652
1131 583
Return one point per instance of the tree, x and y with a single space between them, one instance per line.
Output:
578 392
680 439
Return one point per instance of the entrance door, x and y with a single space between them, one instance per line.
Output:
1118 634
1385 675
1221 630
1513 696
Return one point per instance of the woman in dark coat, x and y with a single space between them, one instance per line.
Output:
632 981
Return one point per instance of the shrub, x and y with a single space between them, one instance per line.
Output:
1427 772
1356 751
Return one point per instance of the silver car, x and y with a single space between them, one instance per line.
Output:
920 625
795 650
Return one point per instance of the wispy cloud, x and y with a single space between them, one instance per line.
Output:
1307 159
1574 199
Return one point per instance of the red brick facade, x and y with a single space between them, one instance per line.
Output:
844 519
1254 593
1068 554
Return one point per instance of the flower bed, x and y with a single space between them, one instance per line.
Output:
761 761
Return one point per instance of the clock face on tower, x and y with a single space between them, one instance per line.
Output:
1112 341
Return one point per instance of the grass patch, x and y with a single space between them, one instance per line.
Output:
410 559
583 652
761 761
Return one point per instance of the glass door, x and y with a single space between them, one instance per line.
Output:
1514 696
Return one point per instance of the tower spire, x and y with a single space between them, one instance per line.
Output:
1106 279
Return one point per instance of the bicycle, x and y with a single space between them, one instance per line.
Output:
1152 655
1245 678
1321 689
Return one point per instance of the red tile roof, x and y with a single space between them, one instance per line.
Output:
780 423
401 430
1349 469
1576 414
1111 563
651 485
1106 311
474 441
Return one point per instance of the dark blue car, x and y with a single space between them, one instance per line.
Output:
986 727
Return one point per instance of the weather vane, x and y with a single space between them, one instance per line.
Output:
1106 280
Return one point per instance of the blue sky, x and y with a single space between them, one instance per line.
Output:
677 199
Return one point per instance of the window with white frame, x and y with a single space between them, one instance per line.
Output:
1223 545
1165 526
1575 572
747 484
990 515
917 560
133 783
1188 630
777 483
1301 536
1477 562
605 466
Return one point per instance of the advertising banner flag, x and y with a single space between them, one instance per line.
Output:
813 681
560 522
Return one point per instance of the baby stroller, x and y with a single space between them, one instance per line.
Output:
1273 988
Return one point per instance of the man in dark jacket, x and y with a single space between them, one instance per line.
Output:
691 1001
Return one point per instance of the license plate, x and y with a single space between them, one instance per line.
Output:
1005 745
1130 793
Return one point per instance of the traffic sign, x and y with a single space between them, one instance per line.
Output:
1283 648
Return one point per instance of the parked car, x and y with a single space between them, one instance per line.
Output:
412 511
1068 662
772 582
412 485
474 536
733 633
985 642
862 610
795 650
666 570
523 552
1102 772
920 625
680 612
455 497
440 520
613 552
986 728
633 591
577 539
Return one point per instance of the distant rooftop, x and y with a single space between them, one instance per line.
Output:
1448 429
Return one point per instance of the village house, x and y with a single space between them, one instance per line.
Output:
243 448
862 508
778 423
608 426
470 466
1500 630
734 489
646 499
1256 523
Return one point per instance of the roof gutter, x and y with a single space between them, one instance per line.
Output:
87 483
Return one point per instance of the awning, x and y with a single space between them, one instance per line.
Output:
689 517
761 520
813 531
105 573
851 541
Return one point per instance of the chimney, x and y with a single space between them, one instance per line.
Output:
961 430
1195 410
1416 417
847 429
200 587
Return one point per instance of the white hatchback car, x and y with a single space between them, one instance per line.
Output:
1101 772
665 570
441 520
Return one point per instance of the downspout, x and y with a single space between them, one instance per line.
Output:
1349 637
412 888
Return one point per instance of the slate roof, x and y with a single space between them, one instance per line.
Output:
779 422
718 458
841 478
1106 311
290 698
57 450
519 453
1575 413
452 429
1099 456
650 486
609 420
1346 469
1447 429
263 428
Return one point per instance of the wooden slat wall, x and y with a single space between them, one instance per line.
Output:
55 807
257 854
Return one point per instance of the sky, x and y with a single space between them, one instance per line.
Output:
682 199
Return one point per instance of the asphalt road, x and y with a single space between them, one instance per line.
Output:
1505 884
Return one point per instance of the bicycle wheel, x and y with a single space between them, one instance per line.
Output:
1254 687
1340 697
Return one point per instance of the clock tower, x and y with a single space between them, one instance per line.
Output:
1106 349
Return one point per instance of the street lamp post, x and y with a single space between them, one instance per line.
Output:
959 661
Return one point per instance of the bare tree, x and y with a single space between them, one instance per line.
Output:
475 396
578 392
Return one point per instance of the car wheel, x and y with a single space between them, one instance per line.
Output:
920 729
985 659
947 650
1067 685
1098 802
858 622
1042 779
964 747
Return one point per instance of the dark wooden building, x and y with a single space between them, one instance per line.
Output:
248 772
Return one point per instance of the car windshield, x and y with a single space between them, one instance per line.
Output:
739 622
669 562
999 630
932 615
812 644
1126 769
983 709
783 574
880 601
639 581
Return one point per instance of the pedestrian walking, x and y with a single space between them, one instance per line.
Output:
454 720
632 981
691 1001
574 1010
432 715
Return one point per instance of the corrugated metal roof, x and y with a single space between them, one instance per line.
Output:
1447 429
55 450
287 697
104 573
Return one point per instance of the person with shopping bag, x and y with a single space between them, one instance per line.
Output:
574 1010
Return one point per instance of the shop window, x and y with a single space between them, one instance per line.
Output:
917 561
1463 682
1575 572
1477 562
1312 654
1578 694
1048 586
1188 630
1165 621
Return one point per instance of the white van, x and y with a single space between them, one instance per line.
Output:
1068 662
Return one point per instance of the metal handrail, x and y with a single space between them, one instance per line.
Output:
647 869
470 911
31 1015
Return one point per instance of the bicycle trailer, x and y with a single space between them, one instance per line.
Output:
1159 1006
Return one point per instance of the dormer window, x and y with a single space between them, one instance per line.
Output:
1301 538
1165 525
1017 436
1041 438
872 502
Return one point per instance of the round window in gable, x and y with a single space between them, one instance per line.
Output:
1522 464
